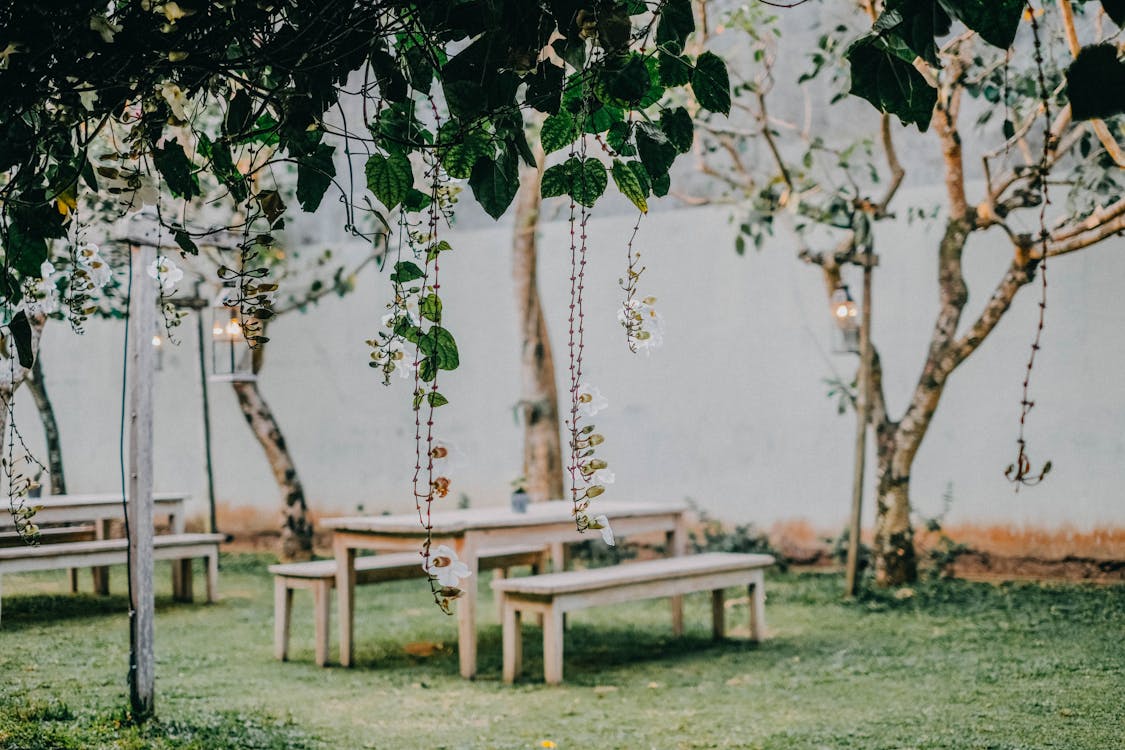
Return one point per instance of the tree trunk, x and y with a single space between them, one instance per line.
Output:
38 387
296 530
539 400
897 443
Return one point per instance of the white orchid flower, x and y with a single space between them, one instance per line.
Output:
444 565
46 270
402 359
603 476
599 523
166 272
90 260
590 400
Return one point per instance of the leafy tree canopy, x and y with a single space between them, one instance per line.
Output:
228 91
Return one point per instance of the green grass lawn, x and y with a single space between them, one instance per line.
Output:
956 665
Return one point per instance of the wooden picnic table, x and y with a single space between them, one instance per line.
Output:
96 509
470 530
100 510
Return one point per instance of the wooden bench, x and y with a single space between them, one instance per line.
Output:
181 549
320 576
60 517
555 594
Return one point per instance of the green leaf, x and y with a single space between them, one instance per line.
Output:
656 151
555 182
183 239
677 125
1093 74
460 158
430 307
627 182
26 250
711 83
558 132
916 23
661 185
436 399
174 167
588 180
617 138
676 24
405 272
1115 9
437 344
222 165
427 371
890 83
494 183
21 332
673 70
389 177
643 179
415 200
625 85
314 174
238 115
995 20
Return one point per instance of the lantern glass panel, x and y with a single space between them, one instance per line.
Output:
230 360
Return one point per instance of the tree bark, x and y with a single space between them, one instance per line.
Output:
539 400
296 529
897 443
37 385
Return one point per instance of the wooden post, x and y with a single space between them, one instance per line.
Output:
142 365
863 416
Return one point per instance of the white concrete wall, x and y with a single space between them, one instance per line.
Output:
731 412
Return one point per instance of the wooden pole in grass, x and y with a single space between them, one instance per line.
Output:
141 374
863 416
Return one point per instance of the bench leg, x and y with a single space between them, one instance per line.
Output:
758 607
182 580
513 641
178 580
677 547
553 646
322 605
345 601
72 574
212 577
282 611
100 575
718 615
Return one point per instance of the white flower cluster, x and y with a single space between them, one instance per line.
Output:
444 565
41 296
93 265
595 471
644 323
166 273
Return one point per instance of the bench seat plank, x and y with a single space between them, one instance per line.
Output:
179 548
626 574
554 594
320 576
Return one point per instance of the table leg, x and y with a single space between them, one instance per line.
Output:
467 607
345 598
677 547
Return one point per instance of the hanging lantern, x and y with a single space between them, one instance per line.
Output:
158 349
846 315
230 353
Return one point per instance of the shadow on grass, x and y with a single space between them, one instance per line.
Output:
43 609
590 650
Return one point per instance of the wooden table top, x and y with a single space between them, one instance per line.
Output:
458 521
